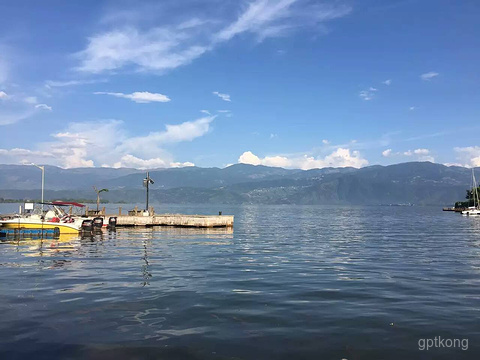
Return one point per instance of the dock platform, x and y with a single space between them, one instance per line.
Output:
454 209
179 220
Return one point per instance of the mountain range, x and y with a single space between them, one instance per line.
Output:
418 183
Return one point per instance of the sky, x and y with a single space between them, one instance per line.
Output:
291 83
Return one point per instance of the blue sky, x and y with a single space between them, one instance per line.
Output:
291 83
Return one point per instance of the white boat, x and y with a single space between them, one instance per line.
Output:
475 209
471 211
54 218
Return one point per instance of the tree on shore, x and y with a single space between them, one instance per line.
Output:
469 196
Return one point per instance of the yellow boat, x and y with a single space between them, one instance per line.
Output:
54 218
35 222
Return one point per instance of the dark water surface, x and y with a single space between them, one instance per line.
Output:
290 282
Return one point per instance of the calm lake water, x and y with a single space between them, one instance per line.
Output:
289 282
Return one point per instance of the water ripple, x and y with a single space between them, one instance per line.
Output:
288 282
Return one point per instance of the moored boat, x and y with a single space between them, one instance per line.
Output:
471 211
54 218
475 209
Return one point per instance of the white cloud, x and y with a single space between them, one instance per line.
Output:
387 82
259 18
366 95
420 154
427 158
270 18
180 164
428 76
87 143
249 158
206 112
141 97
278 161
416 152
23 152
107 143
453 164
76 159
273 136
387 153
16 108
369 93
469 155
51 83
224 97
325 142
43 107
411 108
154 50
31 100
128 44
421 151
423 155
8 117
226 113
150 144
131 161
340 157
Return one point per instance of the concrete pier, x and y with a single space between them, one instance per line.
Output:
195 221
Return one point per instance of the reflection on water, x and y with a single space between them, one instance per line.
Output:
225 232
145 270
289 282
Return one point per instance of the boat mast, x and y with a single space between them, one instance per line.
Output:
475 193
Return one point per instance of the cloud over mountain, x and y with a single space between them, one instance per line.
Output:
340 157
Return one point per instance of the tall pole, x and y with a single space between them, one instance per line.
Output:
43 183
43 179
148 181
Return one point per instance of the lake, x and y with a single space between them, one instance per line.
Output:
288 282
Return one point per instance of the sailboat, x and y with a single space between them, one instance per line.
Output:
475 209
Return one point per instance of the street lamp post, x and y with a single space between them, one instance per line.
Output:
146 182
43 179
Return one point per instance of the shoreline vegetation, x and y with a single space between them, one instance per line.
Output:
469 196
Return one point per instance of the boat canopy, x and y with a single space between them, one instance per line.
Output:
63 203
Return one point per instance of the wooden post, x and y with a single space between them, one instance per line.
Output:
103 211
119 211
86 210
136 210
151 212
